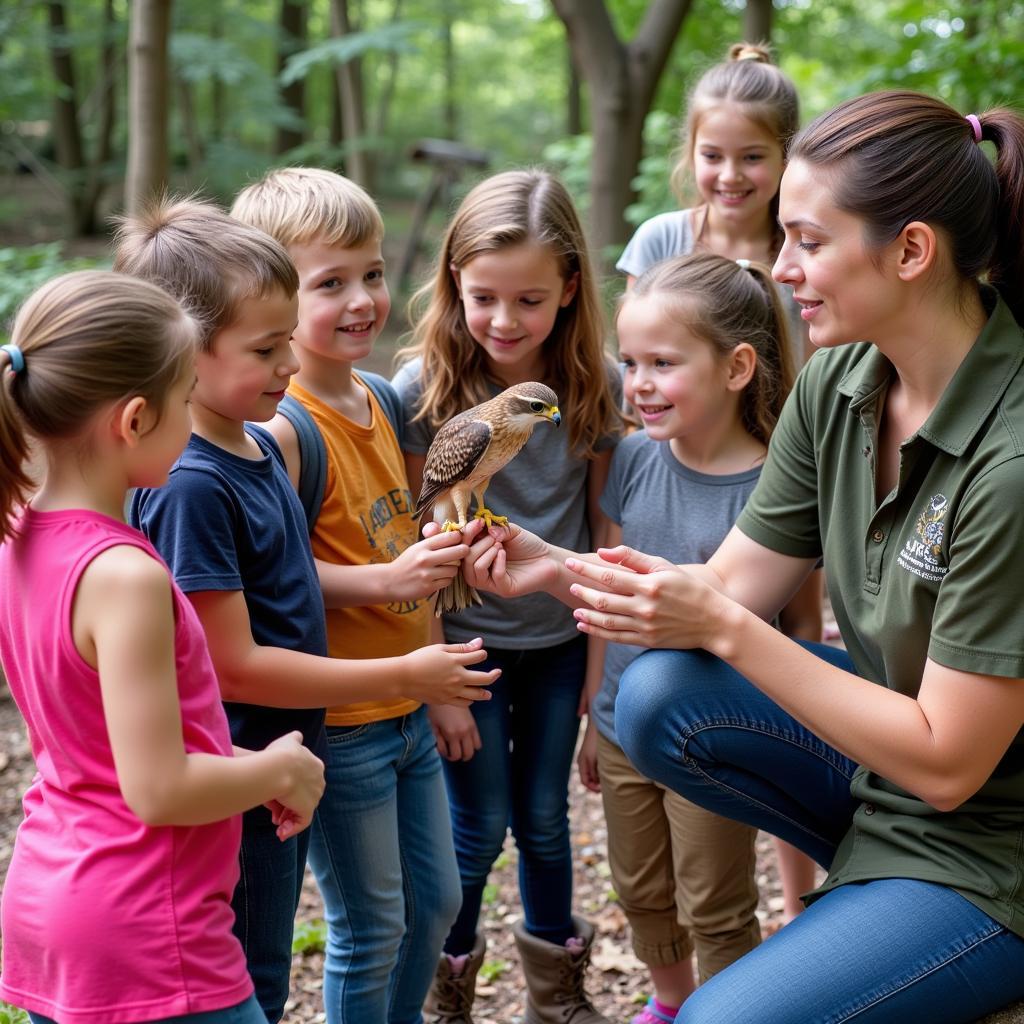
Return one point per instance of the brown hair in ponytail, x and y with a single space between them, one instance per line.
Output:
87 339
750 80
727 303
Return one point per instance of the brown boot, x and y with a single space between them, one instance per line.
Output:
450 1000
554 977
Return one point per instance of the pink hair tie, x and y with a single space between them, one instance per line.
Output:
975 125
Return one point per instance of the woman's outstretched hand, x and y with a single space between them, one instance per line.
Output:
641 599
508 561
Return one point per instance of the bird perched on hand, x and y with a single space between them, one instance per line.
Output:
466 452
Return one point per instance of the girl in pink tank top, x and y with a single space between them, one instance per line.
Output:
116 907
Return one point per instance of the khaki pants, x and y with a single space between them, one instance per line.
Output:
685 876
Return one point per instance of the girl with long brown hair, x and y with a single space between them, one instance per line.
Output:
514 298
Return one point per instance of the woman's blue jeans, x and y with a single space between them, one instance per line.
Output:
381 850
877 952
519 779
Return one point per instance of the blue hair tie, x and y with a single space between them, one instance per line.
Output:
16 356
743 264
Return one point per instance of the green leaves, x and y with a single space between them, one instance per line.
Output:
308 937
393 38
22 270
12 1015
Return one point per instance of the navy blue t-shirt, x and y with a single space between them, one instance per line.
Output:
223 522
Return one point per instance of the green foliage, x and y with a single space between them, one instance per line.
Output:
504 89
12 1015
490 894
309 937
198 58
23 270
651 184
570 159
492 970
397 37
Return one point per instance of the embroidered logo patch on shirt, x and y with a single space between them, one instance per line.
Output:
922 553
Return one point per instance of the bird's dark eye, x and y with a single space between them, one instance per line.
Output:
537 406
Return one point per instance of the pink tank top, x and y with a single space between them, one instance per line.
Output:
105 920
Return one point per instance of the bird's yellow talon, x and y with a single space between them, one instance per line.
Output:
490 518
450 527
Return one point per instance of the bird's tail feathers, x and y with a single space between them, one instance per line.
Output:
456 596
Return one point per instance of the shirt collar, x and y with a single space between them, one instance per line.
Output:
975 390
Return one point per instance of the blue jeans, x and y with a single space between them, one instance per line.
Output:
264 902
520 779
381 850
248 1012
875 952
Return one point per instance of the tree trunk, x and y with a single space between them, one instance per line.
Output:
147 102
218 99
109 65
574 107
292 36
67 136
336 127
190 129
757 21
450 95
622 78
387 90
353 112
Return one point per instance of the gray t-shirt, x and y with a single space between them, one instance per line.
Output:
671 234
543 489
667 509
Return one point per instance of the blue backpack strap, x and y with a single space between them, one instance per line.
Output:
312 457
385 393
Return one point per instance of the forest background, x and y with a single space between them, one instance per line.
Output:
103 101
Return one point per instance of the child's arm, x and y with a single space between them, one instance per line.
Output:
801 619
420 570
123 625
279 678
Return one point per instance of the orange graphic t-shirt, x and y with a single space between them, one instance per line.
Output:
366 517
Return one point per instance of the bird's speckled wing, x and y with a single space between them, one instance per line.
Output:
454 453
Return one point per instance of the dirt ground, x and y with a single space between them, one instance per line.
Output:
617 981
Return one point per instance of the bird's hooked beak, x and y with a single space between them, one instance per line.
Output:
556 416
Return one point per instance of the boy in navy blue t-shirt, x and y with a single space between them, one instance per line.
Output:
233 532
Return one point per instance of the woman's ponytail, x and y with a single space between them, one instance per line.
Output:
1005 129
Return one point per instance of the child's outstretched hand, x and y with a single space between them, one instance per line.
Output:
302 786
427 566
439 675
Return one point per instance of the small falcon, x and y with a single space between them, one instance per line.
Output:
466 452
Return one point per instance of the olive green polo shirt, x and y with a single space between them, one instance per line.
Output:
936 570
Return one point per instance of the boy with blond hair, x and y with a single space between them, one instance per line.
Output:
381 845
233 532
